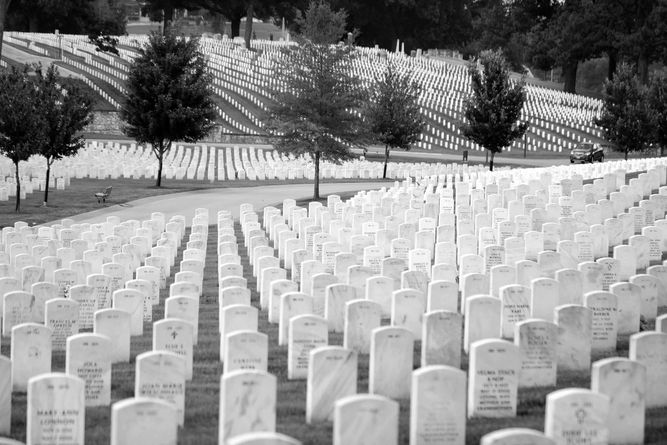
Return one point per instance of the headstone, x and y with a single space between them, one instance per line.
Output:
143 420
407 310
650 349
575 324
30 353
336 296
629 307
391 362
365 419
306 332
577 416
5 395
604 308
516 436
236 318
332 375
442 339
494 378
115 325
87 357
537 341
482 319
292 304
132 302
175 336
247 404
184 308
515 301
246 350
624 382
62 316
56 410
437 406
161 375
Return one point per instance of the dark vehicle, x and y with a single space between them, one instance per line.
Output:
587 152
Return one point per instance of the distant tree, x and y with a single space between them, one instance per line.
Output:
104 43
492 111
393 113
657 99
168 95
21 122
317 95
625 115
65 112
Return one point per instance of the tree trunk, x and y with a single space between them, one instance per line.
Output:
570 76
217 23
160 155
386 161
493 154
236 26
626 154
642 68
250 12
316 188
46 188
486 161
18 188
33 23
4 5
611 68
662 150
167 20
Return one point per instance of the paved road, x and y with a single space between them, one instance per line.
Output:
217 199
23 57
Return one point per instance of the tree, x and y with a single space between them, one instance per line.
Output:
492 111
393 113
168 95
317 94
657 99
66 110
625 115
20 120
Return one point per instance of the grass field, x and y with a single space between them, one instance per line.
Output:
202 393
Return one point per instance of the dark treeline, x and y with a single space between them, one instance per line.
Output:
538 34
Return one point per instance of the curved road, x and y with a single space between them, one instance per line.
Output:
217 199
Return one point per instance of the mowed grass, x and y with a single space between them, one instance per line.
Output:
79 196
202 393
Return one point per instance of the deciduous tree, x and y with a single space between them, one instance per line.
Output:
393 113
625 116
657 97
168 95
317 94
65 110
20 120
493 110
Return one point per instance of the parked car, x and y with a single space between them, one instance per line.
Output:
587 152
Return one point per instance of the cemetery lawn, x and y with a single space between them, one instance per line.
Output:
202 393
79 196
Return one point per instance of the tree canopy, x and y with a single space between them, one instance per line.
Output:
393 113
657 97
318 98
625 116
66 110
168 97
493 110
21 122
